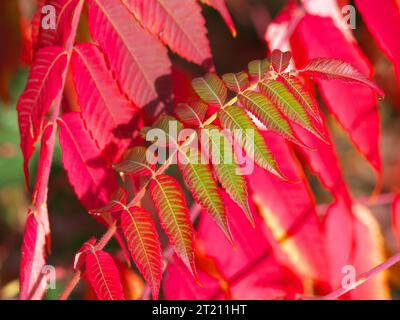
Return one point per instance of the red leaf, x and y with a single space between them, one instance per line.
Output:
138 58
103 276
378 15
323 161
87 170
279 30
280 60
80 256
32 278
44 84
181 27
353 106
142 239
340 239
220 6
107 114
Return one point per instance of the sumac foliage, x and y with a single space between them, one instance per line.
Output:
261 224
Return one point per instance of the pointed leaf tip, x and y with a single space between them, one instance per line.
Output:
246 134
103 276
289 105
168 198
332 69
138 161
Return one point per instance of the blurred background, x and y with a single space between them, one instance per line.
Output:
70 223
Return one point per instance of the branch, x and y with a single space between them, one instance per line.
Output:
113 228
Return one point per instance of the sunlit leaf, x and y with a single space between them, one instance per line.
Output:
280 60
302 95
226 168
199 177
258 69
142 239
236 82
192 114
168 198
211 89
183 29
246 134
288 105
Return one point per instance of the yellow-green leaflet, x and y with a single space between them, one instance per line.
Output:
236 82
302 95
268 114
225 164
170 203
135 162
288 105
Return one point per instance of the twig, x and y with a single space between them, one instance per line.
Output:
363 278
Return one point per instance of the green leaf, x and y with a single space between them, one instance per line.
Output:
136 162
288 105
170 203
211 89
226 167
302 95
142 239
167 124
192 114
199 178
245 132
258 69
268 114
236 82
